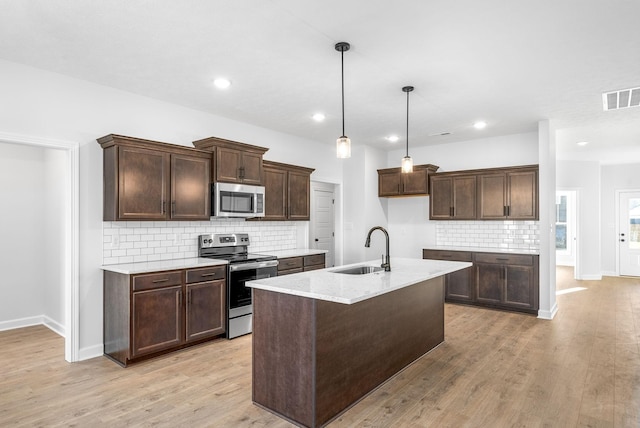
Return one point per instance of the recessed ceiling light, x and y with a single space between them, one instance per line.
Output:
222 83
393 138
480 124
582 143
318 117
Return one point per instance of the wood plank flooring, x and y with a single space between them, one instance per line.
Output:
495 369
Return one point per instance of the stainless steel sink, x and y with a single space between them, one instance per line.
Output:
358 270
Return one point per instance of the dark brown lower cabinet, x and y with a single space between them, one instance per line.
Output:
497 280
289 265
459 285
153 313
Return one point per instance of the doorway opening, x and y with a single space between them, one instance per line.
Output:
67 241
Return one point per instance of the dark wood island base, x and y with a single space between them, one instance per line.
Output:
313 359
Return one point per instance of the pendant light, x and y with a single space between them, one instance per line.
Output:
343 144
407 162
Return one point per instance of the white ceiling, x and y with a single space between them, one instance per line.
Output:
509 63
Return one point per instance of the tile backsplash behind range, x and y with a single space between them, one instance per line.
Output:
508 234
146 241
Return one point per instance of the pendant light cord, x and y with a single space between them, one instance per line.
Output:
407 123
342 72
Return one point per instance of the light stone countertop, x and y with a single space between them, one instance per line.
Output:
485 250
162 265
324 284
296 252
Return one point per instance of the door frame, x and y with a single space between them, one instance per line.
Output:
576 228
617 216
71 234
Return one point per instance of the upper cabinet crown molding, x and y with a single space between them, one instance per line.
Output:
234 162
507 193
392 182
149 180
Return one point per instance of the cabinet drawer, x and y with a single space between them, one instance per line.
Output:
157 280
313 267
290 263
206 274
457 256
289 271
505 259
316 259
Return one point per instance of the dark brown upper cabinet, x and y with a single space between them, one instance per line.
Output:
234 162
149 180
452 197
509 193
393 182
287 191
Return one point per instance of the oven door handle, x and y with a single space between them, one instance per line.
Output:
255 265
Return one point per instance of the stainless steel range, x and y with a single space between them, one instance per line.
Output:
243 266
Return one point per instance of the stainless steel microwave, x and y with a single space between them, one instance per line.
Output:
237 200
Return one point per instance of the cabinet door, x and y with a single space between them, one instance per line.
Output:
519 289
143 184
298 197
251 169
275 183
205 309
489 283
389 183
190 184
464 197
459 285
416 182
156 320
228 163
440 198
522 196
492 189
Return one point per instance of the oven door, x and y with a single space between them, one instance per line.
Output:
240 312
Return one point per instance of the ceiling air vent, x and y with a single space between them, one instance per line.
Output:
621 99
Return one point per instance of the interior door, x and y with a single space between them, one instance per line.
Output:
322 223
629 233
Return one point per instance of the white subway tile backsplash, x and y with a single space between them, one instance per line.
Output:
508 234
137 241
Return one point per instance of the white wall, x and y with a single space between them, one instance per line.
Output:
53 211
614 177
48 105
584 176
32 244
409 224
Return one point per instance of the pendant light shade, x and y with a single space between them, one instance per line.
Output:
343 144
407 162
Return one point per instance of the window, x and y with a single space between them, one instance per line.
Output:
561 222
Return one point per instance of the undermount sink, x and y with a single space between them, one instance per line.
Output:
358 270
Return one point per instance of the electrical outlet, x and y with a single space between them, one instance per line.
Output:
115 240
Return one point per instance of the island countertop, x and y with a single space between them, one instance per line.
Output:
326 284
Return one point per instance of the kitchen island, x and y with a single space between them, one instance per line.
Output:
322 340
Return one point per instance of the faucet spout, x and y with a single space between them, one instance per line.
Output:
386 264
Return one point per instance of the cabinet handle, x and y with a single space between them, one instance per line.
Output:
189 297
242 172
164 207
160 280
508 210
504 210
207 274
173 208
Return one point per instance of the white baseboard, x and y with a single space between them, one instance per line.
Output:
548 315
21 322
91 352
590 277
44 320
609 273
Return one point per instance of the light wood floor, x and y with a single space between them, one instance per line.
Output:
495 369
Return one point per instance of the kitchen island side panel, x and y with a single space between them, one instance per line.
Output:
360 346
283 354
